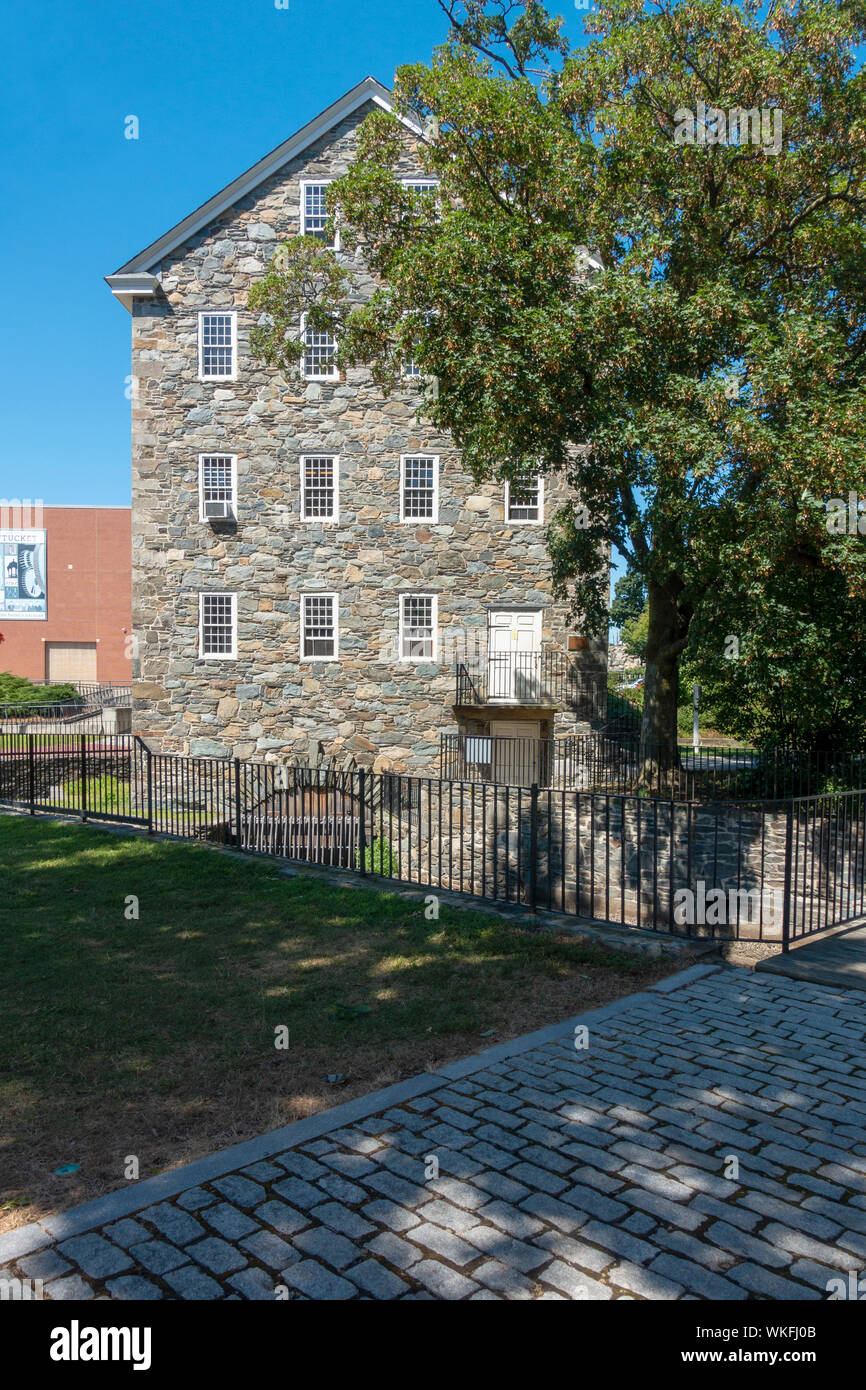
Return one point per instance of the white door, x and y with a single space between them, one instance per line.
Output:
513 653
515 751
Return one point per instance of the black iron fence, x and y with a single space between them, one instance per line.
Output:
619 764
83 712
772 870
548 678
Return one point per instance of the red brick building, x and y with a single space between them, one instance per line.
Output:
66 593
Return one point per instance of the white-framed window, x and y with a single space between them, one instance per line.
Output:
217 487
320 636
411 368
320 487
524 502
217 627
422 186
319 351
418 627
419 487
315 211
217 345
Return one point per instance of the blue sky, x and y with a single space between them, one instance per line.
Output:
215 84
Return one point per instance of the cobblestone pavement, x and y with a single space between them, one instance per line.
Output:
563 1173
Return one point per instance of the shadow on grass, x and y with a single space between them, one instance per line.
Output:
142 984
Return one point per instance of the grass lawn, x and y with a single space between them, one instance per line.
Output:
155 1037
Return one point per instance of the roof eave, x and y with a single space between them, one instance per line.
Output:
134 285
368 90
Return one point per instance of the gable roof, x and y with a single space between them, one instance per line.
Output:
136 277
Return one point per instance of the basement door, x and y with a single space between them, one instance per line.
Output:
515 751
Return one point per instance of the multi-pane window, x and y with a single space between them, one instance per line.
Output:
216 486
319 636
319 351
320 487
216 345
314 210
417 627
411 368
419 489
524 501
423 186
217 625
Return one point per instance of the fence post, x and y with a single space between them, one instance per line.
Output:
362 828
149 788
786 899
31 775
238 802
533 846
83 748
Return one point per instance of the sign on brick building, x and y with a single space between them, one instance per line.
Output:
22 591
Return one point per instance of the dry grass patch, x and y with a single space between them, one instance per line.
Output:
155 1037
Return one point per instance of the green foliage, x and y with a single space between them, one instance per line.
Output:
778 649
629 598
16 690
713 356
106 793
380 858
635 633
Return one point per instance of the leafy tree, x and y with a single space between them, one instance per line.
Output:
698 375
778 646
635 632
629 598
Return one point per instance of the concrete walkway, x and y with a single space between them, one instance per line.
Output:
838 960
708 1142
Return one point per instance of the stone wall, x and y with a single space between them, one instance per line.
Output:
268 703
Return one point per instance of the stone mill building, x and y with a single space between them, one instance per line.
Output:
311 563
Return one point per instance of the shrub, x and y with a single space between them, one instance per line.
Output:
17 690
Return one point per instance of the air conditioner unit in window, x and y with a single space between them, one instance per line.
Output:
218 511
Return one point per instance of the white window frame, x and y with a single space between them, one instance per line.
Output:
233 461
419 520
434 621
230 314
307 376
304 184
335 465
217 656
335 599
525 521
421 184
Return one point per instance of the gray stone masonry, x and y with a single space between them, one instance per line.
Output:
267 702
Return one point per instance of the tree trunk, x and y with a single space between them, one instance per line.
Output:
668 630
